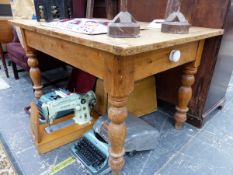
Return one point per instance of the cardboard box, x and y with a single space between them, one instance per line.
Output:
142 100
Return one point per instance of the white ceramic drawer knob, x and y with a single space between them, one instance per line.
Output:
175 56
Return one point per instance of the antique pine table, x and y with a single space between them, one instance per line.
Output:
119 62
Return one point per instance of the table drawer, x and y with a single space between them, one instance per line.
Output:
150 63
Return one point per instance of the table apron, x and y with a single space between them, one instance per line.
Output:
150 63
87 59
93 60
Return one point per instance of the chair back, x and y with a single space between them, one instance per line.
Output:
6 31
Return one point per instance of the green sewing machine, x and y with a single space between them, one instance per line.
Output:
80 104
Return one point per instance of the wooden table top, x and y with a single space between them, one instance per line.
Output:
150 39
4 1
6 18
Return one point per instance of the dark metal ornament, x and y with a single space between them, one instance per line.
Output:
49 10
175 21
124 25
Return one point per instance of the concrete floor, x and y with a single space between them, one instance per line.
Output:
190 151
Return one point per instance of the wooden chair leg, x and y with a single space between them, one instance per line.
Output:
5 66
64 68
9 63
4 61
15 71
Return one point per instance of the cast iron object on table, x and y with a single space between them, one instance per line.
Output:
50 10
124 25
175 21
205 98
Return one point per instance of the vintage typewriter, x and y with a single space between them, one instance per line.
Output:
92 149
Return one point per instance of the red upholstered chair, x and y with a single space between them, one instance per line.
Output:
80 81
18 57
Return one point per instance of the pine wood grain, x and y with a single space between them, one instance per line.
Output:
4 1
82 57
46 142
6 31
142 100
149 40
150 60
120 62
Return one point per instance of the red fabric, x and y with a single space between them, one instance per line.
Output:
81 82
17 55
79 7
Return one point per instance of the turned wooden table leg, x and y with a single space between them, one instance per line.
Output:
185 94
117 113
3 61
35 73
118 83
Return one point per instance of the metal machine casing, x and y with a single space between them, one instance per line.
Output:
51 96
140 135
52 104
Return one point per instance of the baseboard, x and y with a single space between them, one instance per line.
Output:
199 121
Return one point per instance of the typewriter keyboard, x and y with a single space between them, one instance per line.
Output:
89 153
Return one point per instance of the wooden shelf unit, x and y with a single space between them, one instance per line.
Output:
46 142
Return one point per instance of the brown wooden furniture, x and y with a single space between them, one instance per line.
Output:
141 101
6 36
4 1
104 8
198 14
46 142
223 69
119 62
